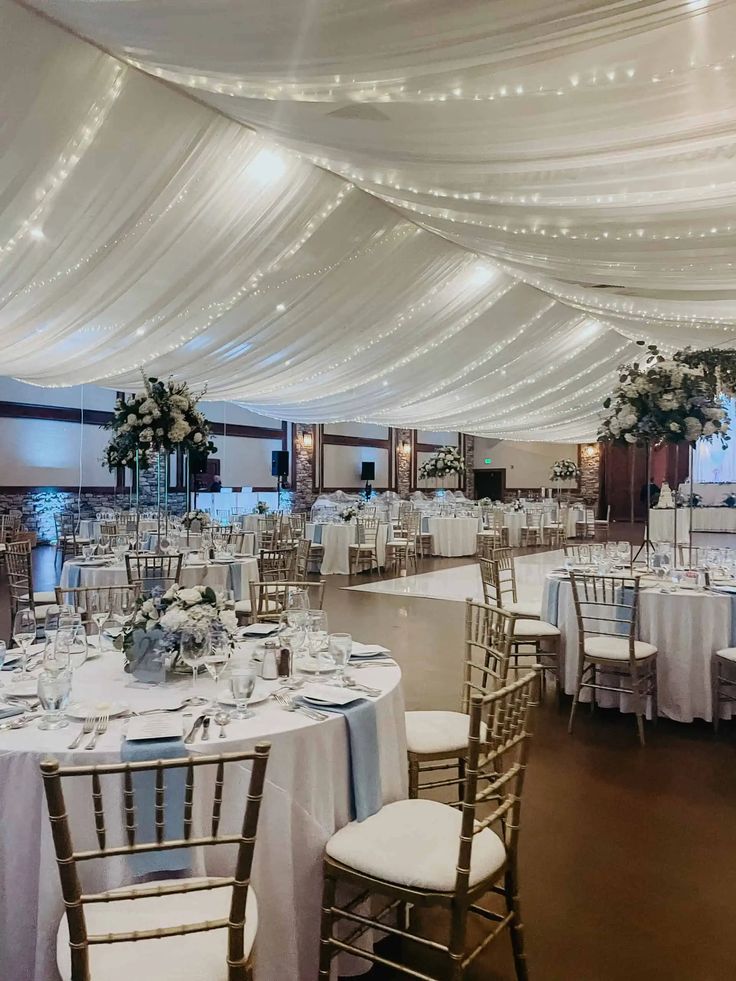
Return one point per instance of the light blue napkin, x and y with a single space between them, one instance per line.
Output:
74 575
144 787
365 765
8 711
235 578
550 601
733 621
317 535
425 525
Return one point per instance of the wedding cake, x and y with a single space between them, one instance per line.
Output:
666 498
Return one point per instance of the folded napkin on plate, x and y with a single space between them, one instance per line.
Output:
365 765
8 711
144 787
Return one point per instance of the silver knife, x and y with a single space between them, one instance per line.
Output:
189 738
206 728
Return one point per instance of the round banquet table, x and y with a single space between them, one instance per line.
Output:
335 540
686 626
453 536
233 575
514 521
306 799
90 527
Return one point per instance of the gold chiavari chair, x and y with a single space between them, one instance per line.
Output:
268 599
402 546
723 671
363 552
301 559
602 526
111 598
166 928
276 563
153 571
585 528
20 581
532 532
504 573
555 525
5 536
607 609
438 741
530 636
269 530
68 542
427 854
577 553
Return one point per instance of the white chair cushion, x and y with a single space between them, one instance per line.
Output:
242 606
397 541
415 843
527 608
193 957
535 628
616 648
728 652
44 596
437 732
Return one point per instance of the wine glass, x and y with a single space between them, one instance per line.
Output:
97 608
340 647
71 646
297 599
317 634
217 661
242 683
194 649
24 634
54 690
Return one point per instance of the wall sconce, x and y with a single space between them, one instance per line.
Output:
591 450
405 447
308 440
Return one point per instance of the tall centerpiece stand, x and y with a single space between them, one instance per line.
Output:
446 462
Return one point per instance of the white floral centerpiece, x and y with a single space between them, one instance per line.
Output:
196 516
261 508
164 416
347 514
663 400
564 470
444 463
158 622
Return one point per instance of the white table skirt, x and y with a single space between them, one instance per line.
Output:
306 800
336 539
686 627
454 536
662 522
217 575
514 521
90 527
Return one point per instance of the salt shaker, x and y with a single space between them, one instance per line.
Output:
271 651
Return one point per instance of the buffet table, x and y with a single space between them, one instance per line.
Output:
306 799
220 575
713 520
687 626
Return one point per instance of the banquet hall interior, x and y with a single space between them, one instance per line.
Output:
367 502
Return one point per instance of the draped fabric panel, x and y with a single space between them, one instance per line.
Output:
438 215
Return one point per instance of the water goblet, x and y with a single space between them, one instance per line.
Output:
194 650
24 634
54 690
97 608
242 683
71 646
340 647
317 635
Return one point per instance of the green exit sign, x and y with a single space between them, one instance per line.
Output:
488 460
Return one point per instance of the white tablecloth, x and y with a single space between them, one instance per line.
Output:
454 536
514 521
711 494
662 522
90 527
686 627
306 800
336 539
234 575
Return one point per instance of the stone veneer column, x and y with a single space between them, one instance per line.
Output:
470 467
403 462
589 461
303 490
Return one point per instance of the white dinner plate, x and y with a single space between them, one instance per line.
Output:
327 695
261 693
80 710
362 652
25 689
310 665
723 587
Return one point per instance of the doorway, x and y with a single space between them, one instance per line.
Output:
490 483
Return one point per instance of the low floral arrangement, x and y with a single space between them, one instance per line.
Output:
690 500
664 400
443 463
164 416
347 514
517 505
159 622
485 502
196 516
564 470
729 501
261 508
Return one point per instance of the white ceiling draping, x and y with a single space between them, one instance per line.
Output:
141 228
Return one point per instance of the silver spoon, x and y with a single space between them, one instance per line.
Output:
222 719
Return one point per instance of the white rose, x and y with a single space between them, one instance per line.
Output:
629 438
198 437
675 427
147 420
693 428
708 429
190 596
132 418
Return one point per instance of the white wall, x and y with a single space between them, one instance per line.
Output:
342 465
78 396
526 464
245 462
40 453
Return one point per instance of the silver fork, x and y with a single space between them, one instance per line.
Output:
288 703
366 689
87 728
100 728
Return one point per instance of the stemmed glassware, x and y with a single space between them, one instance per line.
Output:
317 636
242 683
194 650
293 634
97 608
217 661
24 634
71 645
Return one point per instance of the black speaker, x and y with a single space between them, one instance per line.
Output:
367 471
280 463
